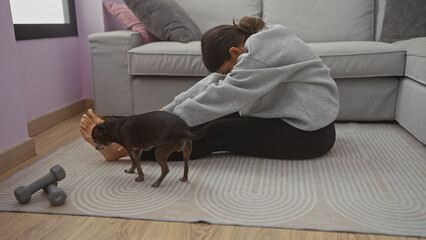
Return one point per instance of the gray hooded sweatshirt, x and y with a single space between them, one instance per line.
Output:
278 76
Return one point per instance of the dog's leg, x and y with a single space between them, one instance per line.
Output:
135 155
186 154
161 155
132 169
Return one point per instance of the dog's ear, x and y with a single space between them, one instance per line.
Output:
98 131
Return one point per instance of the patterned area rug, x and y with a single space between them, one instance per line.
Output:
373 181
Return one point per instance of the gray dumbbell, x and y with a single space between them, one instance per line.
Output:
56 195
23 194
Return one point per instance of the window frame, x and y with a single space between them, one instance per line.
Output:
39 31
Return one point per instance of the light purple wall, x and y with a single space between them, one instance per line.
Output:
90 20
50 74
56 72
40 76
13 124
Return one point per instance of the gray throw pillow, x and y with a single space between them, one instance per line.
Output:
404 19
165 19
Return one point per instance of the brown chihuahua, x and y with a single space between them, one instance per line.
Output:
165 131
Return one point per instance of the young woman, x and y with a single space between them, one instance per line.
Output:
269 95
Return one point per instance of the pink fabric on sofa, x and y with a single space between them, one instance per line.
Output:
126 17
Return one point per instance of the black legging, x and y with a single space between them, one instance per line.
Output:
268 138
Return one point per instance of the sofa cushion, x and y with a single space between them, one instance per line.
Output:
165 19
167 59
404 19
323 20
345 59
125 16
209 14
415 67
361 59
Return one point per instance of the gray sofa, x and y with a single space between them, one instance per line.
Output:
377 81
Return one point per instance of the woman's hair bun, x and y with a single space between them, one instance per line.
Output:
249 25
216 42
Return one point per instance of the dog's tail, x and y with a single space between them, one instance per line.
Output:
197 134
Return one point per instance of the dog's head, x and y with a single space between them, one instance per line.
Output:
100 136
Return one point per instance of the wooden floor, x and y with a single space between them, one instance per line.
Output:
30 226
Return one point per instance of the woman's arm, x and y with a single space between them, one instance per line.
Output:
199 87
240 88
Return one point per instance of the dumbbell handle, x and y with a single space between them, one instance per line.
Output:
51 187
41 183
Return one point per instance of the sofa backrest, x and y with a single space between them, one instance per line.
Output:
379 12
210 13
323 20
312 20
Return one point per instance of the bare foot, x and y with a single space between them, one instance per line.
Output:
95 118
87 123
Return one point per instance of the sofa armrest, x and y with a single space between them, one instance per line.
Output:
112 83
410 108
416 58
